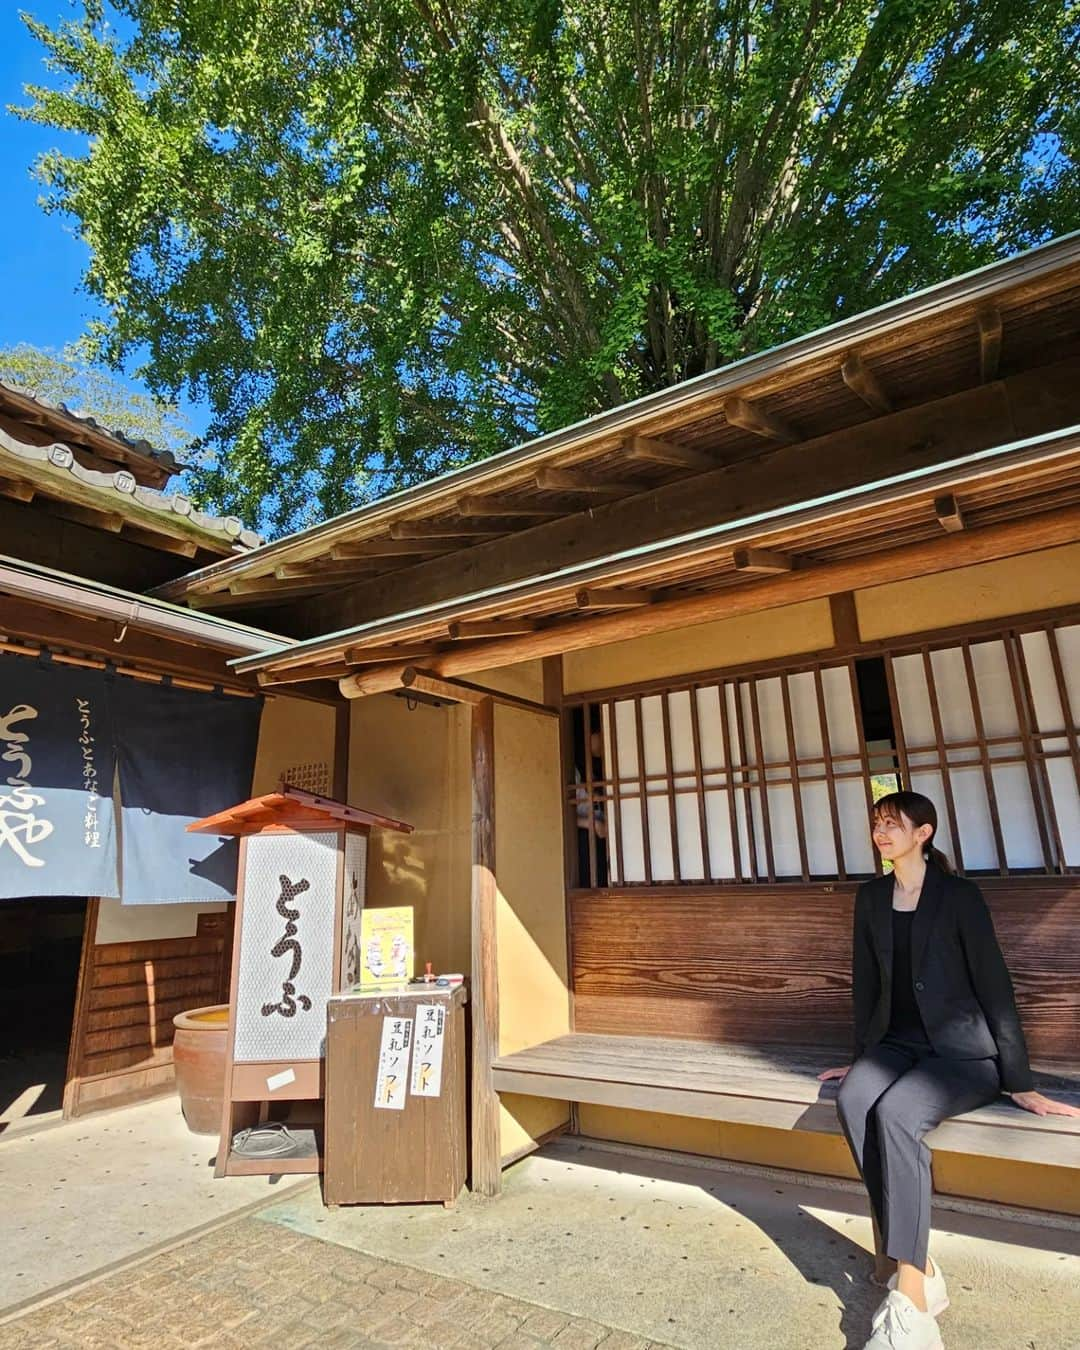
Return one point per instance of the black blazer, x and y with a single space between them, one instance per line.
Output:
962 984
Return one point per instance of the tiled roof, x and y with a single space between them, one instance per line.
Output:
58 413
54 471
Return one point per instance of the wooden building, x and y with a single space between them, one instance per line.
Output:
633 682
86 523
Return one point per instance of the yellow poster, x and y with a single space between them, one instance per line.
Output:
386 941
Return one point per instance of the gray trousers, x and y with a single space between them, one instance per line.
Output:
891 1097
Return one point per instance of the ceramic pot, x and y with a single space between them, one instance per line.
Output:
199 1059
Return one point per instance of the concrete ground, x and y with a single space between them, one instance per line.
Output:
588 1246
81 1195
691 1255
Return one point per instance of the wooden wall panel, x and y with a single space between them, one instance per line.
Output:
132 992
771 965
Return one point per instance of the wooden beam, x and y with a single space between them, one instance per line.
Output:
388 548
925 558
654 451
988 321
486 1171
950 517
17 489
861 380
762 560
567 480
407 651
443 529
596 597
463 691
485 628
475 505
333 670
740 412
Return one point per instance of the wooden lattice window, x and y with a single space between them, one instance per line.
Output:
769 777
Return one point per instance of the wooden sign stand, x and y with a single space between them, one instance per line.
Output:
299 896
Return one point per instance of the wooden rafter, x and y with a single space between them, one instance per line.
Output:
464 691
861 380
475 505
19 490
166 543
595 597
762 560
323 567
389 548
483 628
988 321
740 412
571 480
375 655
654 451
443 529
921 558
333 670
950 517
110 521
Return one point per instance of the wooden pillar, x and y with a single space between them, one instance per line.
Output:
339 788
484 987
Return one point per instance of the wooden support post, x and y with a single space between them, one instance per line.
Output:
484 983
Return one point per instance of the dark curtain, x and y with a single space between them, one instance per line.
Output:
183 754
57 824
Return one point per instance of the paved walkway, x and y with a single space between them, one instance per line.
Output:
82 1195
252 1285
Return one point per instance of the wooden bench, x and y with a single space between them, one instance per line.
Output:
777 1088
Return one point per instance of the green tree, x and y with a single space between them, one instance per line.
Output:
64 377
381 240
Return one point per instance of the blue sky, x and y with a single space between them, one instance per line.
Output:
41 257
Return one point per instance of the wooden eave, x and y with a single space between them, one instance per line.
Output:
1030 481
292 808
1004 318
114 501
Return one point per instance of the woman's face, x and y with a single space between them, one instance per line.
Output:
895 836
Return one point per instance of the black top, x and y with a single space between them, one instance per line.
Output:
905 1022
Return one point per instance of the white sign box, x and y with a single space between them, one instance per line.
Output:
286 970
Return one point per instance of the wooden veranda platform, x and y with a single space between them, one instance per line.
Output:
772 1087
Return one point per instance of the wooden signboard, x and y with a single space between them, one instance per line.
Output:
300 901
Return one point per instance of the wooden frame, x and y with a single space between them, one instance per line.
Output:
79 1014
748 776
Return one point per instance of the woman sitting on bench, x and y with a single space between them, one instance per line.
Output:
936 1034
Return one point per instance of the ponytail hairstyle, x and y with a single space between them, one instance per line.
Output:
919 810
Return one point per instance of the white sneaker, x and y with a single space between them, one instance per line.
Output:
904 1327
937 1296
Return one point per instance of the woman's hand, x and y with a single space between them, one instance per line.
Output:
1043 1106
839 1075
